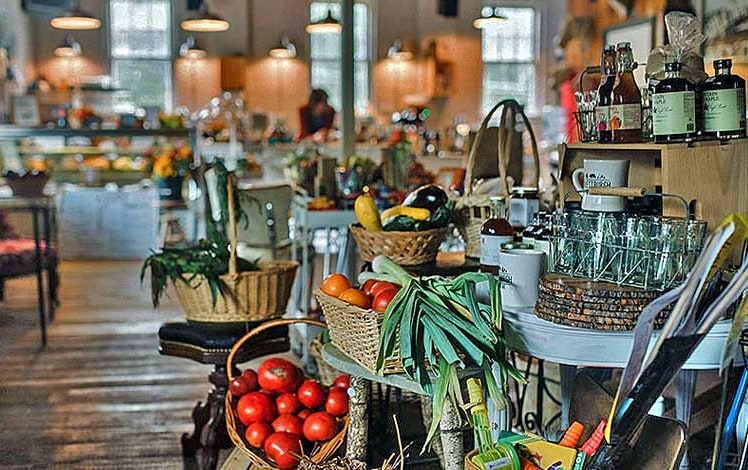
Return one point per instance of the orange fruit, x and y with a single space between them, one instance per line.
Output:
355 297
335 284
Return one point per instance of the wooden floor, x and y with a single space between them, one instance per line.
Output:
100 395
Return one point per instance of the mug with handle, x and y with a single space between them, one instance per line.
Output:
601 174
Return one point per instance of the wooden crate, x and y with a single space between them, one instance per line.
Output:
712 173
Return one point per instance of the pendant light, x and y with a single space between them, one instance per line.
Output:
326 25
284 50
75 19
69 47
396 51
488 16
190 50
203 21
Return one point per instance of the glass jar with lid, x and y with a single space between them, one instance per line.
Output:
523 204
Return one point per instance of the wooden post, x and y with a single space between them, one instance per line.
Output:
358 428
232 225
451 437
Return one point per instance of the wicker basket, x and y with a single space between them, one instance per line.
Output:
236 429
404 248
355 331
248 296
475 208
327 373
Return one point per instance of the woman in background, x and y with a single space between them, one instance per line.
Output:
316 117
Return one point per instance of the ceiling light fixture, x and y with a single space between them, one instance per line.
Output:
190 50
396 51
69 47
75 19
488 16
327 24
284 50
203 21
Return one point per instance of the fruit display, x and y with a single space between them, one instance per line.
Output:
425 208
372 294
283 415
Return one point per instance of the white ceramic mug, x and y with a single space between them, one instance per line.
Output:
602 174
519 272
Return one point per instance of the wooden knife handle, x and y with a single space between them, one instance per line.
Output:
621 191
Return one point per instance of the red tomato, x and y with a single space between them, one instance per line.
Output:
382 299
256 434
289 423
367 285
278 375
255 406
320 426
304 414
282 448
311 394
288 404
343 381
251 377
337 402
239 386
381 285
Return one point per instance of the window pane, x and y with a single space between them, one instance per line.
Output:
503 81
361 88
326 75
147 83
140 28
511 40
324 46
360 32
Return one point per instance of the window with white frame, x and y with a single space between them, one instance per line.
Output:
509 59
140 53
324 54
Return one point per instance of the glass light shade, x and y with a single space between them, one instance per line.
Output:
190 50
488 16
196 53
69 47
326 25
284 50
205 22
396 52
76 20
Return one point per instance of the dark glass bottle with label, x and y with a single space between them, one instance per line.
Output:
723 98
494 232
674 107
626 99
607 80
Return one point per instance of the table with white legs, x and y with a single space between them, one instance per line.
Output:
572 347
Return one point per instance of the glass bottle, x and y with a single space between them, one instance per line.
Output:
724 103
543 237
528 237
494 232
523 203
626 99
608 78
674 107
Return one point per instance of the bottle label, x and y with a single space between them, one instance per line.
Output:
625 116
603 118
724 110
674 113
490 247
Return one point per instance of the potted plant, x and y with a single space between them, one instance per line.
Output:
214 285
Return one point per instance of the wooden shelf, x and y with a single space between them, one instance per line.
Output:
62 152
15 132
650 145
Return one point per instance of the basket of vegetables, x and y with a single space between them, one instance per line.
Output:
276 416
214 285
409 234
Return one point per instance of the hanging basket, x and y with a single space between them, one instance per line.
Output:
404 248
236 429
474 208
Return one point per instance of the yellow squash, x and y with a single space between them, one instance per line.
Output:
367 213
414 213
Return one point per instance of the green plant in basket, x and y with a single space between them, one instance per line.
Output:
440 326
208 259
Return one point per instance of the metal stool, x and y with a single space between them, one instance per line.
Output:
210 343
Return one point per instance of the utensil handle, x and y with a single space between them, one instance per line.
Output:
620 191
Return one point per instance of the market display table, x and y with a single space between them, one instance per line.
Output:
14 253
571 347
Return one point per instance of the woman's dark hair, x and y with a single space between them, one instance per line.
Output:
318 95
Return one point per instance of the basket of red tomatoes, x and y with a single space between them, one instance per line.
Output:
277 416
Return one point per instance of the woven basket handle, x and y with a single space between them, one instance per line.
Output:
259 329
232 226
517 108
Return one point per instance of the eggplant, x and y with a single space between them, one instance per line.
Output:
428 196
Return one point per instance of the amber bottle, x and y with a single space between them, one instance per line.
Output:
724 103
494 232
607 80
674 107
626 99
